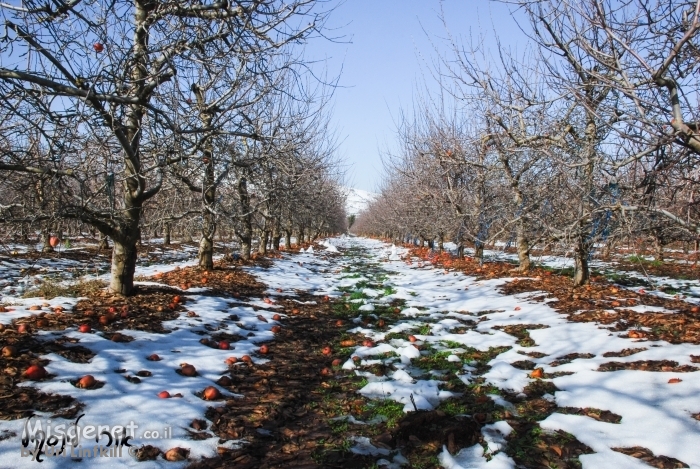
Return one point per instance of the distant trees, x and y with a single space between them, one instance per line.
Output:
590 136
105 104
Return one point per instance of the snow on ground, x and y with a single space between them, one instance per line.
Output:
655 414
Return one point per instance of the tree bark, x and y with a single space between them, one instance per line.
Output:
166 235
246 233
581 271
104 243
523 250
46 240
124 257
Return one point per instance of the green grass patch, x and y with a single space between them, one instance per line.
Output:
392 410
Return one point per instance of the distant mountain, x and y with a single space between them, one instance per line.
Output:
357 200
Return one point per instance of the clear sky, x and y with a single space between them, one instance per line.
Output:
388 53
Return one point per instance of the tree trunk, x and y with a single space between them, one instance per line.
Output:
104 243
288 240
441 243
246 234
262 245
658 248
166 235
206 253
246 247
276 242
523 250
581 270
124 257
46 240
479 252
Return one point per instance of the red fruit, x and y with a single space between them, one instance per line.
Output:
210 393
98 46
641 291
22 328
176 299
368 343
295 311
276 329
517 308
223 345
53 241
412 338
164 394
694 309
35 372
268 301
327 350
381 323
188 370
86 382
264 349
112 310
230 360
246 358
326 371
153 357
339 323
276 317
84 328
104 320
337 362
326 298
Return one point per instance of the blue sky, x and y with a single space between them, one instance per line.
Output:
389 52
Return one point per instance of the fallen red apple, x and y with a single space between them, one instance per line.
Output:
153 357
223 345
86 382
327 350
164 394
264 349
84 328
188 370
276 317
211 393
35 372
276 329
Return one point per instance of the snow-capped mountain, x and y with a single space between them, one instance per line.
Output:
357 200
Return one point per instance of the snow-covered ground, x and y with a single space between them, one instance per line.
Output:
656 414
